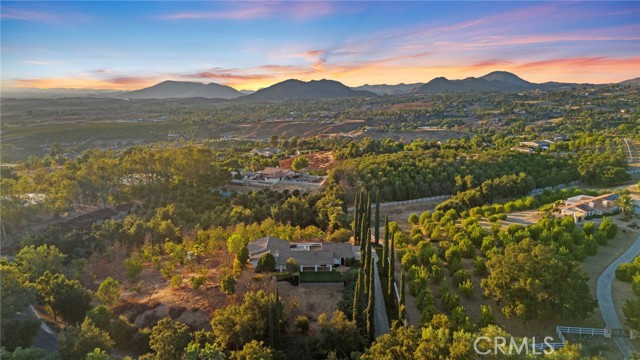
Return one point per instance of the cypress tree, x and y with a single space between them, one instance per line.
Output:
385 245
357 298
368 210
391 267
377 218
356 220
370 304
401 305
365 269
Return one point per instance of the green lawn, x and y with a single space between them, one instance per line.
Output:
320 277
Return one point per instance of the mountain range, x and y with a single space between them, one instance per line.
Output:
183 89
500 81
296 89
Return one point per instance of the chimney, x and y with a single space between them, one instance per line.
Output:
592 204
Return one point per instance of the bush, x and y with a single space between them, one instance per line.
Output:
197 281
301 323
228 284
626 271
340 236
267 263
466 288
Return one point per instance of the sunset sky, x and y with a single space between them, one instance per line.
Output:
249 45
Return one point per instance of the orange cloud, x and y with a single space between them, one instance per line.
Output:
122 83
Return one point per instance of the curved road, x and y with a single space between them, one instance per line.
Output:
605 302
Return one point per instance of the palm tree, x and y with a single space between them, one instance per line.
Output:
625 204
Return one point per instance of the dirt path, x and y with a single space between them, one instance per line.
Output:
605 301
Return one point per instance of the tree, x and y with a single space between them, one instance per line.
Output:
370 309
98 354
237 325
210 351
400 344
228 284
299 163
391 268
75 342
169 338
301 323
109 292
67 298
532 281
292 265
376 226
608 228
401 302
35 261
243 256
15 296
338 334
267 263
253 350
235 243
625 203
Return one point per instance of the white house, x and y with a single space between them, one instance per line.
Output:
582 206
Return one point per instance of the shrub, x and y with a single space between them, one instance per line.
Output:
301 323
267 263
466 288
340 236
197 281
228 284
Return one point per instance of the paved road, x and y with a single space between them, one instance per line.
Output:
380 320
46 338
605 302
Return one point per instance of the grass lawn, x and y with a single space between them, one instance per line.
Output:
321 277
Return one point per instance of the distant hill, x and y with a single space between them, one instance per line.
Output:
296 89
30 93
634 83
501 81
183 89
385 89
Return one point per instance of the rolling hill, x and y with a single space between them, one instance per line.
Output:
296 89
183 89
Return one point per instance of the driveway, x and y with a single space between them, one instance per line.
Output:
605 302
380 320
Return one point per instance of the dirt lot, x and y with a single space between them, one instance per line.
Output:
321 160
310 300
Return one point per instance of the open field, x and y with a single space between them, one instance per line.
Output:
19 143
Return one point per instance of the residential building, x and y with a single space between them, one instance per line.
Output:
582 206
310 256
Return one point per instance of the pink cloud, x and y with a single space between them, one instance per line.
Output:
260 10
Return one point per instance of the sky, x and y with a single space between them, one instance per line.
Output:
253 44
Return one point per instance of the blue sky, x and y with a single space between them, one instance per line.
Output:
248 45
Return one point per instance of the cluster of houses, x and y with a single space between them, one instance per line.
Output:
581 207
310 256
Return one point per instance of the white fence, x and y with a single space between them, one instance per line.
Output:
407 202
555 187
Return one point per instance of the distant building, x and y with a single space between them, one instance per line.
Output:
522 149
541 144
310 256
582 206
266 152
